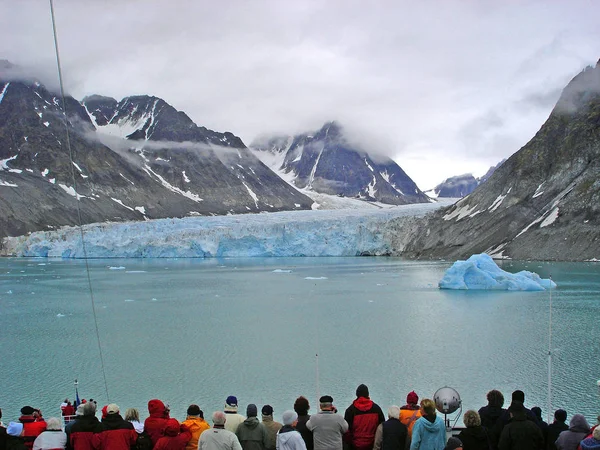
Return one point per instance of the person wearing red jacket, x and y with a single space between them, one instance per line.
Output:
363 417
155 425
176 436
80 435
33 424
116 433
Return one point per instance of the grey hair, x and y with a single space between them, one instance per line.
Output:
596 433
89 409
394 411
219 418
132 414
53 424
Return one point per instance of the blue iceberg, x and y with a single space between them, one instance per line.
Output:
481 272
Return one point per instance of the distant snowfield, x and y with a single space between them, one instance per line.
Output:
333 232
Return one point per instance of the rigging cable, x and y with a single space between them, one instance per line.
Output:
77 197
550 356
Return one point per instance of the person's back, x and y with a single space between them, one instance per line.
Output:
429 432
394 432
33 425
176 437
53 438
301 406
251 433
570 439
115 432
155 424
218 438
520 433
363 417
14 436
233 417
196 424
81 431
410 412
327 426
474 436
271 426
287 437
555 428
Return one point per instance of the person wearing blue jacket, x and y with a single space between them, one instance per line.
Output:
429 431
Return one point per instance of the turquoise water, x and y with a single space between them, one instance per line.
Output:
196 331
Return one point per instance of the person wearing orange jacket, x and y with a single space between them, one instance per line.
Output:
196 424
410 412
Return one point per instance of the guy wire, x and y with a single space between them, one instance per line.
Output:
87 267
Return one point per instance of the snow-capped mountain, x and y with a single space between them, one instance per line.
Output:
43 187
327 162
461 185
541 203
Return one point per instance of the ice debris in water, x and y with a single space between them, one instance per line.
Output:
481 272
282 271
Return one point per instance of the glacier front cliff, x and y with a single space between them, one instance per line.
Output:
290 233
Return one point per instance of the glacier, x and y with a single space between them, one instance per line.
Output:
340 232
481 272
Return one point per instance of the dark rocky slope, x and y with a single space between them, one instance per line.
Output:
542 203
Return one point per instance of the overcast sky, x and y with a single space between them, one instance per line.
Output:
443 87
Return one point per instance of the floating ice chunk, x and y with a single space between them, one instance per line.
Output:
481 272
282 271
129 300
135 271
60 315
315 278
9 291
116 267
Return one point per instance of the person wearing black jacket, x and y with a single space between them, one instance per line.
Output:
395 432
520 433
555 428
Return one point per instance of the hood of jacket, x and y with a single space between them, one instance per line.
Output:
429 425
113 422
251 422
156 408
172 428
363 403
137 426
578 424
285 434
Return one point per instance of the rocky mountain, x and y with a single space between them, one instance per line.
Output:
542 203
192 171
328 162
461 185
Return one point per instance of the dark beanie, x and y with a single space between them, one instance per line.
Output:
362 391
27 410
251 410
267 410
193 410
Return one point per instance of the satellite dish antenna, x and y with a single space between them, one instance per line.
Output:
447 400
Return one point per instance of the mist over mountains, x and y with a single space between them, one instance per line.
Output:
328 161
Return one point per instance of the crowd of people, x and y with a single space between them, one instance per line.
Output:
414 426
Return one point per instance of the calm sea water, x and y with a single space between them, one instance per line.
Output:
196 331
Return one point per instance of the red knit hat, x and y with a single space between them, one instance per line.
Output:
412 398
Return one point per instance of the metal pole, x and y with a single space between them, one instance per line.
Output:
550 415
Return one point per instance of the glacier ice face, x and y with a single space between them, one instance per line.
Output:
481 272
289 233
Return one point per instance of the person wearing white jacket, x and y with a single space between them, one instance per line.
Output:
287 437
54 437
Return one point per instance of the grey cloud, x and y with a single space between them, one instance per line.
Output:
412 74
